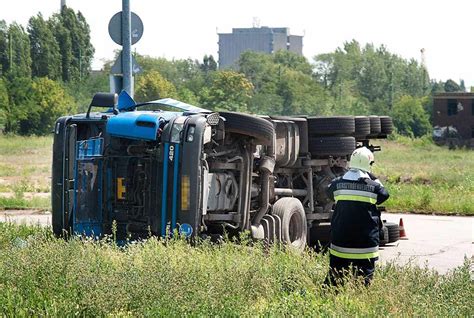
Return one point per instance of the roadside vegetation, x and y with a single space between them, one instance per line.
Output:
41 275
426 178
25 172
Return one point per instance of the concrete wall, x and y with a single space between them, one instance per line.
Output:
296 44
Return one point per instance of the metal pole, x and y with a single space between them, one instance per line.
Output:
127 47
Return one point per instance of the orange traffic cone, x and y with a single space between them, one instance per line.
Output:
403 235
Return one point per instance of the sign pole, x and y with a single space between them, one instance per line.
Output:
127 48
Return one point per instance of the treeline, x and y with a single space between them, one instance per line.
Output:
45 72
352 80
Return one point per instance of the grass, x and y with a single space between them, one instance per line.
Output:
25 167
425 178
21 203
420 176
41 275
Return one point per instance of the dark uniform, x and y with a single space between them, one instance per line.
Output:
355 227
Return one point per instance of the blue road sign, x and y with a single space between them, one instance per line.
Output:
185 229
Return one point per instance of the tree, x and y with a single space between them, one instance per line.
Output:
3 103
260 69
301 95
208 64
83 90
152 85
410 118
373 80
46 58
185 75
414 80
3 48
187 96
379 76
19 61
451 86
437 87
228 90
48 102
19 102
293 61
65 48
72 32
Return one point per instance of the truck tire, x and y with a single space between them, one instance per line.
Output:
331 126
319 235
302 124
293 222
386 125
375 126
331 146
383 236
362 127
393 231
249 125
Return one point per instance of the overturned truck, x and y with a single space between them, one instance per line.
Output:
164 167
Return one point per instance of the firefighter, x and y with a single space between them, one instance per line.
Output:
355 222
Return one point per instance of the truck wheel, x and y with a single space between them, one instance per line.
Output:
393 231
319 235
331 126
383 236
375 126
249 125
362 127
331 146
386 126
293 222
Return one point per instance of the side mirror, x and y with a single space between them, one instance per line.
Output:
104 100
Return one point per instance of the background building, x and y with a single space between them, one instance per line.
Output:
259 39
455 110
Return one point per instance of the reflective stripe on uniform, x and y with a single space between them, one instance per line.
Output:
354 255
353 250
354 198
355 192
355 195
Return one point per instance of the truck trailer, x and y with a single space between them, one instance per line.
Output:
165 167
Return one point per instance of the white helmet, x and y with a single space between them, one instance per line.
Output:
362 159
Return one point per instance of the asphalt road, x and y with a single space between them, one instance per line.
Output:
439 242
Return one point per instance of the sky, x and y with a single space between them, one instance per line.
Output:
188 28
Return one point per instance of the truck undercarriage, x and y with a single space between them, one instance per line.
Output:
139 173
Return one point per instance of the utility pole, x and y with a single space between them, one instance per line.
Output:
127 47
